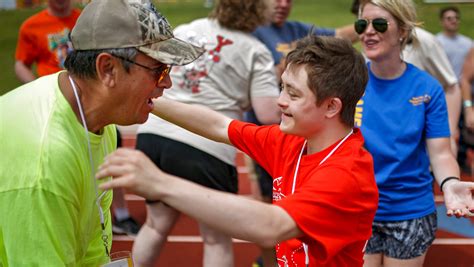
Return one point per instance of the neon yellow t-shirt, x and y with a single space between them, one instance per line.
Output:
48 215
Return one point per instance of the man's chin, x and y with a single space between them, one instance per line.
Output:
139 120
279 20
143 119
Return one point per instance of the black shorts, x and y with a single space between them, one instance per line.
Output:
189 163
403 239
265 181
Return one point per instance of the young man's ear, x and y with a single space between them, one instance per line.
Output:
106 66
334 107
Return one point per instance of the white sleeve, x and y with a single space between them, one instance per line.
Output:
263 81
435 60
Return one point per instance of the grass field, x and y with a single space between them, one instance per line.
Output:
327 13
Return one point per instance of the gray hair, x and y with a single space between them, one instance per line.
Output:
81 63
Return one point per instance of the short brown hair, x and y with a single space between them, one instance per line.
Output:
334 68
242 15
449 8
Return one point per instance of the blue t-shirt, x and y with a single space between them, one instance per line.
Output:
396 118
281 40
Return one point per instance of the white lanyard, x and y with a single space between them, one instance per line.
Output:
99 197
305 247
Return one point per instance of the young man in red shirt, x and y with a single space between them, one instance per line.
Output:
324 191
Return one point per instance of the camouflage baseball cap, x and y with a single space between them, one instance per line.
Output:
106 24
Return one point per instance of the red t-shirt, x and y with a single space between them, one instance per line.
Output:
43 39
334 203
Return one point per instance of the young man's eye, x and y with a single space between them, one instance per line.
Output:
292 95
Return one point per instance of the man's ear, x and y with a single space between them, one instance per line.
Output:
333 107
107 67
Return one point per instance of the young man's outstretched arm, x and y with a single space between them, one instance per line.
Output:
197 119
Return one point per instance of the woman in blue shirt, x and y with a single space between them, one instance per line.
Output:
404 120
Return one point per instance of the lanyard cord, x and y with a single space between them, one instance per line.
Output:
91 161
321 162
305 247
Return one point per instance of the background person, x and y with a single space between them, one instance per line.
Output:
225 79
43 40
467 88
404 147
60 127
429 56
325 195
456 47
455 44
281 35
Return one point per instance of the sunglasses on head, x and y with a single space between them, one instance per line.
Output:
379 24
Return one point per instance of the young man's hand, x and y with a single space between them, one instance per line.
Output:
133 171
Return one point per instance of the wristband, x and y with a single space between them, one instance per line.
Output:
467 103
445 180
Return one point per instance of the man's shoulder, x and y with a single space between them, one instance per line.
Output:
75 12
296 24
289 31
35 19
465 39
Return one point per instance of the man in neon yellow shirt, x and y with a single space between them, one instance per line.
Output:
56 130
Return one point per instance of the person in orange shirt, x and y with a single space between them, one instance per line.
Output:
43 40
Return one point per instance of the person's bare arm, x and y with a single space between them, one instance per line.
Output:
146 245
467 79
347 32
267 110
240 217
197 119
23 72
457 195
453 103
150 240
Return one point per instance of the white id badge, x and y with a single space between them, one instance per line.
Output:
120 263
120 259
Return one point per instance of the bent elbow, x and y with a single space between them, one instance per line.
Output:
267 240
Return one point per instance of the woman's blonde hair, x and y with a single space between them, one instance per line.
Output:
404 12
243 15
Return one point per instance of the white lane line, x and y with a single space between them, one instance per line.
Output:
454 241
